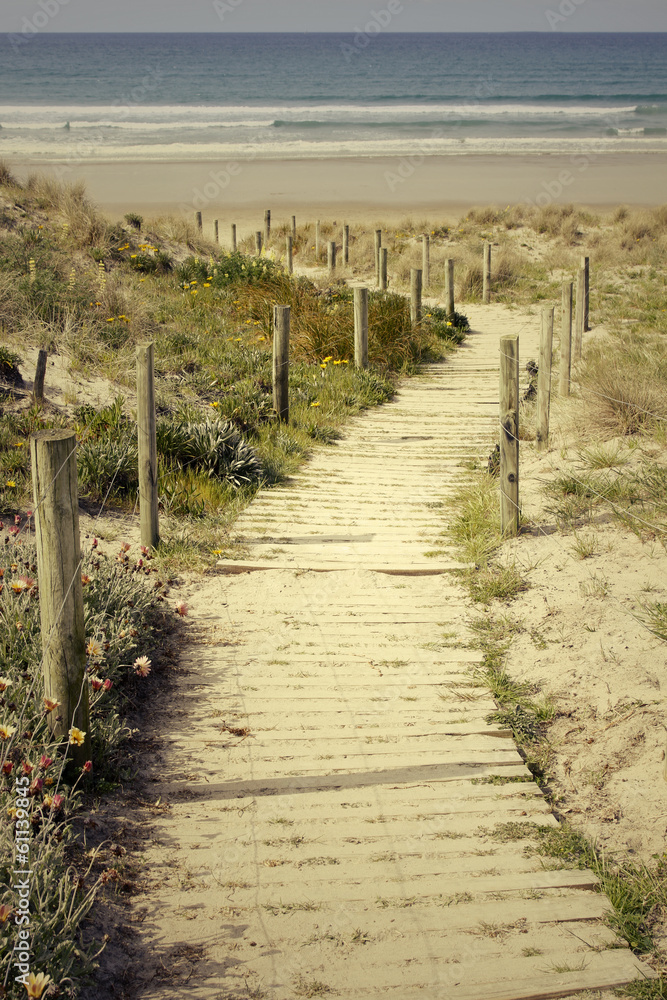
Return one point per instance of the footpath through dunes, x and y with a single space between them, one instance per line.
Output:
335 798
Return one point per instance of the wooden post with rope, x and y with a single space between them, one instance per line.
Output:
233 238
509 430
566 341
281 333
56 504
384 253
267 227
346 244
361 327
290 255
331 257
415 296
586 265
216 231
147 443
580 313
486 280
199 222
378 245
449 286
40 375
544 378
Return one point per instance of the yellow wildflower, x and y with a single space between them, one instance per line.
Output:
76 736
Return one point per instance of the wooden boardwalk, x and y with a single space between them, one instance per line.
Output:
351 840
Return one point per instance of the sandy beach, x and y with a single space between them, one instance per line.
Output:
363 189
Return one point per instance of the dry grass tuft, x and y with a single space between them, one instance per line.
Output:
624 390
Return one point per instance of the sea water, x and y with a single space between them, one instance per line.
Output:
209 96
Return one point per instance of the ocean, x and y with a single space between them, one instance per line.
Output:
206 97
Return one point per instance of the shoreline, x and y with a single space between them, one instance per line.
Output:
387 187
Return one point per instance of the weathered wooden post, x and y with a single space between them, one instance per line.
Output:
378 245
258 243
346 244
331 257
415 296
147 441
449 286
267 227
384 253
233 238
40 375
290 254
586 265
318 238
281 332
486 284
294 228
361 327
216 231
579 315
509 430
56 504
544 378
426 259
199 221
566 341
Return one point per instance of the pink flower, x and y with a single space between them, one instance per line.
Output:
45 761
57 801
95 543
36 785
27 767
7 767
143 550
87 767
17 518
95 683
14 531
107 685
182 610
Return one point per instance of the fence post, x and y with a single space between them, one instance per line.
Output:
415 296
234 238
486 285
361 327
384 253
449 286
267 227
198 221
566 341
378 245
544 378
290 255
294 228
147 442
216 231
281 332
346 244
586 265
331 256
56 502
426 259
318 238
579 315
509 428
40 375
258 243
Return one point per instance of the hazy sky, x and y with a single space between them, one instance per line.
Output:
333 15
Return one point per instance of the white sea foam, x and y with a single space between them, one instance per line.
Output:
302 149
